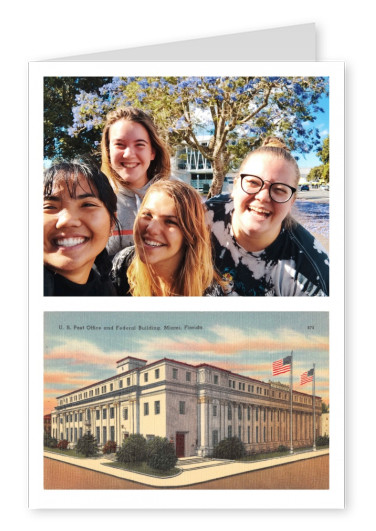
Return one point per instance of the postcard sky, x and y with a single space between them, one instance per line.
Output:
79 351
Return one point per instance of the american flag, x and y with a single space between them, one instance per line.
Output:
306 377
281 366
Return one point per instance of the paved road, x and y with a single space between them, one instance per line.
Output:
316 196
309 471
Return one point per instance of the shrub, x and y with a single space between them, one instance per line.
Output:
282 448
322 440
109 447
49 441
132 450
161 454
231 448
63 444
87 445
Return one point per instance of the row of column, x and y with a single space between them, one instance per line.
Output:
258 424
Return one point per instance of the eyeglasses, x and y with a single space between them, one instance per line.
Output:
278 192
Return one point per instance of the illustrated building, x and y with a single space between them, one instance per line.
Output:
195 406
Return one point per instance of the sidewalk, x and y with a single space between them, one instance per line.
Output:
194 470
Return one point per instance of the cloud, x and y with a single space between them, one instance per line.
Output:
77 352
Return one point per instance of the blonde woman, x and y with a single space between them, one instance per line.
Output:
134 156
172 255
259 248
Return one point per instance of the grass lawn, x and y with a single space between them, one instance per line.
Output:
143 468
270 455
67 451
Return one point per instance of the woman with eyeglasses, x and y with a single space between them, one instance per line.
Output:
260 250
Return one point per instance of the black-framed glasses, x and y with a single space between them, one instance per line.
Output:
278 192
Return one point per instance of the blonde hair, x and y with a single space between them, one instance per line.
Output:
274 147
159 168
196 272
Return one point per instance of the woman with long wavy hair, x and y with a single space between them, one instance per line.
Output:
172 255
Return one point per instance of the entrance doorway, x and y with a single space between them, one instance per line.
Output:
180 450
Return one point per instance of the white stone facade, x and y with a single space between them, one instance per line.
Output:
195 406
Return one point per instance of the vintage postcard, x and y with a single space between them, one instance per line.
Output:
226 180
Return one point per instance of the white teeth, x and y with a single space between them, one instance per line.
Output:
130 165
260 211
69 242
153 244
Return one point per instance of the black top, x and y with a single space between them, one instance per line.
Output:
57 285
295 264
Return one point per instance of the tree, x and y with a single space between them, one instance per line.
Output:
236 112
321 173
324 407
87 445
133 449
231 448
59 98
161 454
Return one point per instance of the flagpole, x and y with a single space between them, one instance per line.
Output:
314 408
291 445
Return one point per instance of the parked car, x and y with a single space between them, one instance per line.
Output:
304 188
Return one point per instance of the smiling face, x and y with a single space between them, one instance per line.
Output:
131 152
257 220
76 230
158 236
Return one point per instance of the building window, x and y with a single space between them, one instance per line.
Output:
187 376
112 433
175 374
229 431
264 414
264 434
240 432
104 388
233 384
240 386
146 377
97 391
80 416
80 433
91 393
128 382
146 408
112 412
229 412
256 413
182 408
257 435
216 379
215 437
229 383
249 434
156 374
97 414
240 412
98 434
104 414
249 413
75 435
157 407
120 384
111 387
125 413
214 411
85 394
104 440
75 417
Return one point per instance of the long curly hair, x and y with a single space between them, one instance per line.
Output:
196 272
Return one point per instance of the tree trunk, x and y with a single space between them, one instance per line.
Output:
220 167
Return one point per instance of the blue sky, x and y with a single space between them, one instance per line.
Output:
80 351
